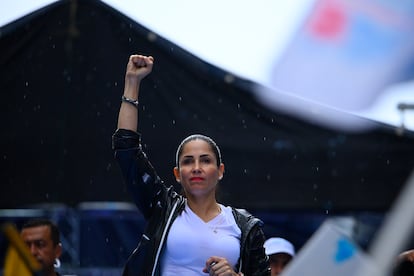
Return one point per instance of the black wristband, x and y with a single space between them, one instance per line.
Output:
131 101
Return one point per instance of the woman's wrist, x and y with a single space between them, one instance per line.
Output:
132 84
131 91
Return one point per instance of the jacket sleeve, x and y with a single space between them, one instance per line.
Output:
253 261
259 261
141 178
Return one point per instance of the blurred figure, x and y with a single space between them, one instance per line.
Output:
280 252
405 264
43 239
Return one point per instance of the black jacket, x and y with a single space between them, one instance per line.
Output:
160 205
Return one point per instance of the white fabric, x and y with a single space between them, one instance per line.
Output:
191 241
279 245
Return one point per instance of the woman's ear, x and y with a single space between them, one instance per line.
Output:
221 171
177 174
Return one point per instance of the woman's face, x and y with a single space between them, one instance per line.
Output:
198 172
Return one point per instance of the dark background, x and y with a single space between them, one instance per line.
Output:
62 71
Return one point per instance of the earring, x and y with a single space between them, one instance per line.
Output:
57 263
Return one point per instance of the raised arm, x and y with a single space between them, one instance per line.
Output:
137 68
126 140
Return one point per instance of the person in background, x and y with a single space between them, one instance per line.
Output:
43 239
280 252
190 233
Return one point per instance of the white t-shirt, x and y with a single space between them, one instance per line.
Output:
191 241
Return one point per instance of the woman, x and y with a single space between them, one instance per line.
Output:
189 234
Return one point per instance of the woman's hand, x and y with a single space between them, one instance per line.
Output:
217 266
138 67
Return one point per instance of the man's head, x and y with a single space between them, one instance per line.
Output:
43 239
280 252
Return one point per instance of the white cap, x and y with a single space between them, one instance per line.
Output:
279 245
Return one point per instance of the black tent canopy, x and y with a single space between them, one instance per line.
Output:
62 71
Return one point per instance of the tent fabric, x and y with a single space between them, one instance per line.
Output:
62 71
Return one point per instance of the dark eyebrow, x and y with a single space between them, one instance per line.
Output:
192 156
188 156
37 240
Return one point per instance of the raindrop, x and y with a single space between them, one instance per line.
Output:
317 169
268 177
53 46
26 83
264 138
238 106
173 122
151 37
98 114
129 39
315 186
116 84
327 211
24 97
245 171
180 99
228 78
47 196
107 240
388 162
